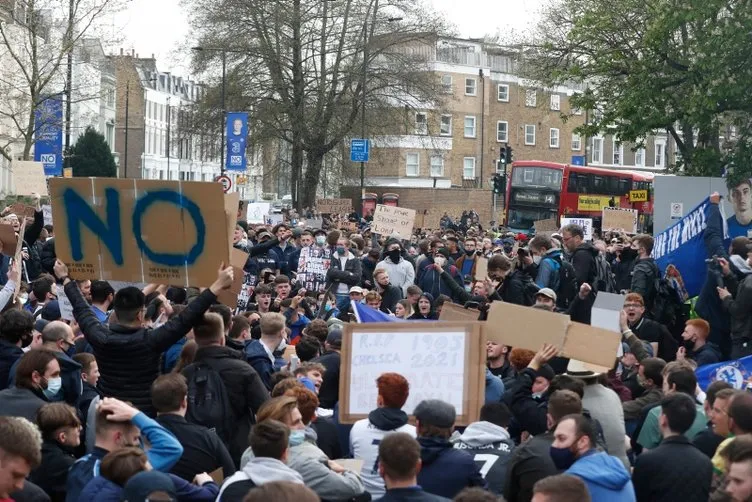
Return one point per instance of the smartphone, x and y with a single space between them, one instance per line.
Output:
294 362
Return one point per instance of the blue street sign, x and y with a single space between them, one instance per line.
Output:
578 160
48 138
360 150
237 132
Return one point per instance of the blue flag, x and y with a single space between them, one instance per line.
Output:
736 373
364 313
680 251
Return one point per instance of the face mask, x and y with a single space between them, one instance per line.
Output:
53 387
327 307
23 299
537 259
537 395
282 345
394 255
439 260
320 240
563 458
469 253
341 250
71 351
296 438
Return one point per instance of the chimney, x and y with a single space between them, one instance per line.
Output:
121 51
152 55
133 52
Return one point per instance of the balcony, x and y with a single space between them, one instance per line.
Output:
472 183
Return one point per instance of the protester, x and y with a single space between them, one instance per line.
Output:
650 378
264 355
646 329
645 271
498 363
330 359
20 453
425 310
401 272
739 423
344 272
560 488
387 418
390 294
582 254
675 470
17 326
398 464
739 477
37 381
718 397
60 428
696 345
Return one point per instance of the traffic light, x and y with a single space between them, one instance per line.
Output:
499 184
509 156
505 155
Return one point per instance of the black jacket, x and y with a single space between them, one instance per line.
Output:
654 332
529 413
708 441
203 451
622 269
530 463
675 470
52 474
414 494
18 402
389 298
244 387
48 256
644 274
329 392
351 275
583 261
327 437
517 288
128 357
9 354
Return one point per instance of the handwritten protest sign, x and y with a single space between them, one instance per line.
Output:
168 232
621 219
445 363
313 265
388 220
585 223
29 178
334 206
257 211
47 212
22 210
66 307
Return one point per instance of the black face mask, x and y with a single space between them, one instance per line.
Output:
469 253
394 255
628 253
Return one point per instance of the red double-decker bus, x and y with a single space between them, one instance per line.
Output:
538 190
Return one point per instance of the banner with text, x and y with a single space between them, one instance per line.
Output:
389 220
237 132
334 206
313 265
48 136
585 223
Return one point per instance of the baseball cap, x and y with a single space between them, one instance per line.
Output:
264 234
356 289
144 484
51 311
334 338
40 324
435 412
547 292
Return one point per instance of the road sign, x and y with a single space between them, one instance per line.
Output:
578 160
638 196
225 181
360 150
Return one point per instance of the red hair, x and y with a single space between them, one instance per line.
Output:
520 358
701 325
634 298
307 402
393 389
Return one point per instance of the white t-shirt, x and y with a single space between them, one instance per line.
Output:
364 445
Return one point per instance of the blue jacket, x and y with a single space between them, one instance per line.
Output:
100 489
494 387
287 259
548 271
258 358
430 281
164 453
605 476
171 356
446 471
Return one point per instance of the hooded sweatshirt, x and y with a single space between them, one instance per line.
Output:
605 476
365 437
445 470
258 471
490 445
583 261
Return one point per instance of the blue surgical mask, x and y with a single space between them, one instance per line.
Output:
320 240
341 249
297 437
53 387
563 458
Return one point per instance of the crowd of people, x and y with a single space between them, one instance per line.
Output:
165 393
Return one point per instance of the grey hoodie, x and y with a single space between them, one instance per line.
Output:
490 444
262 470
480 434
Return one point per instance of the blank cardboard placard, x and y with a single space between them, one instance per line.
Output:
389 220
606 310
615 218
481 268
524 327
447 363
153 231
454 312
548 225
592 345
28 178
22 210
8 239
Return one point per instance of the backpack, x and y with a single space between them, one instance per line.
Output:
208 401
568 286
529 287
604 278
668 307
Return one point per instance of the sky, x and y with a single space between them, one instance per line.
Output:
159 27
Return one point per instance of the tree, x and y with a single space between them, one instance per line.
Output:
306 67
34 45
91 156
681 66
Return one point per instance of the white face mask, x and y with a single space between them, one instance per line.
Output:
53 387
537 259
439 260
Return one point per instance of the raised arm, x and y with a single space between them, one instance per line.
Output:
94 331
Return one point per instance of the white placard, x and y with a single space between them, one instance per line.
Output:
47 212
434 364
606 312
66 307
677 210
275 219
390 220
585 223
257 211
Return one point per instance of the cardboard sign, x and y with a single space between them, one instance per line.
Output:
585 223
528 328
454 312
118 285
334 206
275 219
606 311
481 268
446 362
22 210
153 231
257 212
28 178
546 226
622 219
389 220
229 297
218 475
47 212
8 239
17 258
349 226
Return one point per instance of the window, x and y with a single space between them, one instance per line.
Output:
470 86
446 125
639 157
576 142
660 153
502 131
531 98
468 168
597 152
555 102
576 111
110 97
469 127
110 135
421 123
553 138
503 93
529 134
412 164
446 84
437 166
618 153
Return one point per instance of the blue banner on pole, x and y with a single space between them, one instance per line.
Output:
736 373
680 251
237 132
365 314
48 137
